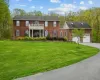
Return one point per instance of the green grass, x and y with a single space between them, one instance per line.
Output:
18 59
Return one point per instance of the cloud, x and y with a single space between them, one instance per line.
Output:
32 7
63 8
41 7
90 2
83 8
55 1
23 5
82 2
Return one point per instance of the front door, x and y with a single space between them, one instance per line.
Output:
36 33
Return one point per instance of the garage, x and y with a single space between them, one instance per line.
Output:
75 39
86 38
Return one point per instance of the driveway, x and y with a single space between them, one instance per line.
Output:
97 45
88 69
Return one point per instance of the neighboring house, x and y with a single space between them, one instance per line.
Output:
41 26
69 26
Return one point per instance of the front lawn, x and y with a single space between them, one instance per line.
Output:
18 59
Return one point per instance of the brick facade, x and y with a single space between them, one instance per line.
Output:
66 31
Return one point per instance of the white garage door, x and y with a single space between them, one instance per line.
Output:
75 39
86 38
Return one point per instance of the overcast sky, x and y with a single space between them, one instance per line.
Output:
59 6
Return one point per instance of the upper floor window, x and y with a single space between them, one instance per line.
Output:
46 23
36 22
17 23
27 23
54 23
17 33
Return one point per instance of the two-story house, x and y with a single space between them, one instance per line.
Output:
36 26
41 26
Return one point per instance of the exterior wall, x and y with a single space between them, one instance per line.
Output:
22 28
85 31
64 33
50 28
89 31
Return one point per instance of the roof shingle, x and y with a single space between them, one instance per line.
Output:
78 25
41 18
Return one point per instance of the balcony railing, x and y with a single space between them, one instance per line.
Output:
36 26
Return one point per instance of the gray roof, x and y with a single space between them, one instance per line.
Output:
40 18
78 25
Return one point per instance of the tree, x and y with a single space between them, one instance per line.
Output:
53 14
91 16
34 13
7 1
79 33
18 12
37 13
5 21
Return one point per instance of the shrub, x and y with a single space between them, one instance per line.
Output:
48 36
32 39
20 38
65 39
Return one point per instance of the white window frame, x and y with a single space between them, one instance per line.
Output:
17 23
17 32
65 33
27 23
61 34
46 33
46 23
54 33
36 22
26 32
54 24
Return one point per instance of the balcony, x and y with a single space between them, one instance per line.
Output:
36 26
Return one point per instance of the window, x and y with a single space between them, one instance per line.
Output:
65 33
36 22
26 33
17 23
46 33
55 33
61 34
54 24
46 23
17 33
27 23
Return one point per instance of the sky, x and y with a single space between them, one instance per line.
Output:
58 6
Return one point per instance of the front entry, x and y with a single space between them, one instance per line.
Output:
36 33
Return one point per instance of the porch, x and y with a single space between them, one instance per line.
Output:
36 33
36 30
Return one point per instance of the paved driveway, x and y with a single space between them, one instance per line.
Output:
97 45
88 69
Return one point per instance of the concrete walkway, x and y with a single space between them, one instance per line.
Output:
88 69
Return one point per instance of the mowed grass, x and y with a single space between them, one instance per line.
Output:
18 59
